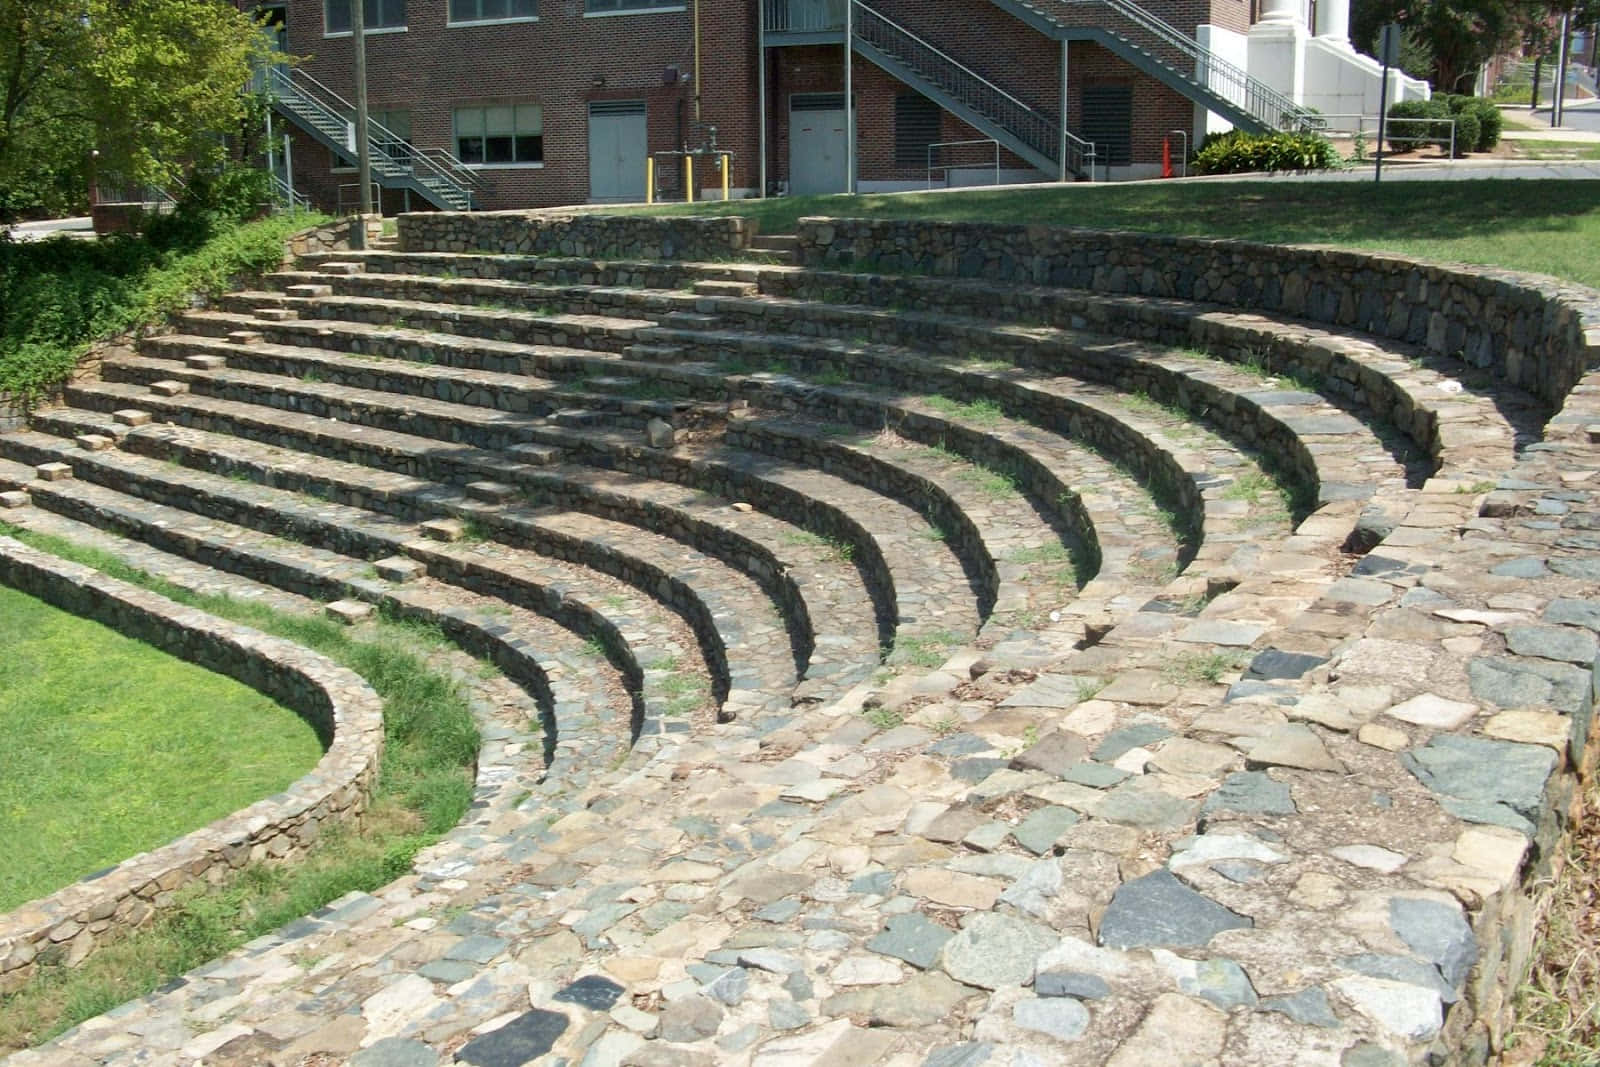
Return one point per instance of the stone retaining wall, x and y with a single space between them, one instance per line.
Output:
531 233
332 236
1538 333
66 926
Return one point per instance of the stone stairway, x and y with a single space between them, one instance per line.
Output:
1081 678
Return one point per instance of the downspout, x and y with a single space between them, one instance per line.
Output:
761 97
697 60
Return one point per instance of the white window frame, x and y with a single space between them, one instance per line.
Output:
452 22
373 29
455 135
647 9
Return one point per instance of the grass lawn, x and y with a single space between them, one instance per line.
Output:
1529 149
114 747
1549 227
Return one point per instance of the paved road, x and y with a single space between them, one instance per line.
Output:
81 226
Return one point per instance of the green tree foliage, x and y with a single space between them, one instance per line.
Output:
150 85
1446 41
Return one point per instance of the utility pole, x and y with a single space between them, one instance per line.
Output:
358 27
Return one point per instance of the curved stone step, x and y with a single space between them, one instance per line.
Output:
341 539
419 457
530 649
1470 426
1188 382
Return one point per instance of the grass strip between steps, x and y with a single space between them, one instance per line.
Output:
424 787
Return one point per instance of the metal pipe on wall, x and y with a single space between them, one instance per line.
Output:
849 99
761 97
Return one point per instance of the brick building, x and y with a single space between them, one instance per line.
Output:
524 103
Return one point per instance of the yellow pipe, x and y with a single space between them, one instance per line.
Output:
723 156
688 179
650 179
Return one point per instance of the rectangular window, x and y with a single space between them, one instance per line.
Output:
376 14
500 134
492 10
608 7
916 126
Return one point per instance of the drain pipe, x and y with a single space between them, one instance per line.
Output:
697 60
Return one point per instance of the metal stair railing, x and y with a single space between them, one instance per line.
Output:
1043 135
326 112
286 196
1176 50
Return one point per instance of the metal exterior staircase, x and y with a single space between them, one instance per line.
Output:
439 177
980 103
1167 54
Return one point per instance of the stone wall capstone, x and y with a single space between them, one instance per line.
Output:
544 234
1536 332
68 925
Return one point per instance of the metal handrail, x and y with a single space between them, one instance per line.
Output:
1210 70
433 167
287 196
1034 129
948 167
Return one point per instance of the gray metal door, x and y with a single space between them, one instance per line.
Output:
816 143
617 146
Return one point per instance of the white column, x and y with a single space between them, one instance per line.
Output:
1333 20
1282 11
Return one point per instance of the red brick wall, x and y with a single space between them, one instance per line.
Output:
564 60
560 62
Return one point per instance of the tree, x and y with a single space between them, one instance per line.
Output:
140 90
1459 36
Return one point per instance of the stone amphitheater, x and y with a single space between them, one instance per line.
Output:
922 644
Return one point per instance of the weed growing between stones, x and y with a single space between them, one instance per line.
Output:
990 482
1063 571
982 412
927 650
1558 1009
1189 667
838 551
883 718
423 789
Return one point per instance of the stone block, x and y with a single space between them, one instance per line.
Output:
535 455
168 387
15 498
712 287
654 353
342 267
276 314
245 337
658 433
309 291
53 472
398 569
94 442
349 612
446 530
491 492
132 417
205 362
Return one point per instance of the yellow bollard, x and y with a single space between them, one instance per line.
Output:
723 157
688 179
650 180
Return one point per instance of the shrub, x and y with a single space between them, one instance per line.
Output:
58 295
1478 123
1237 152
1403 136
